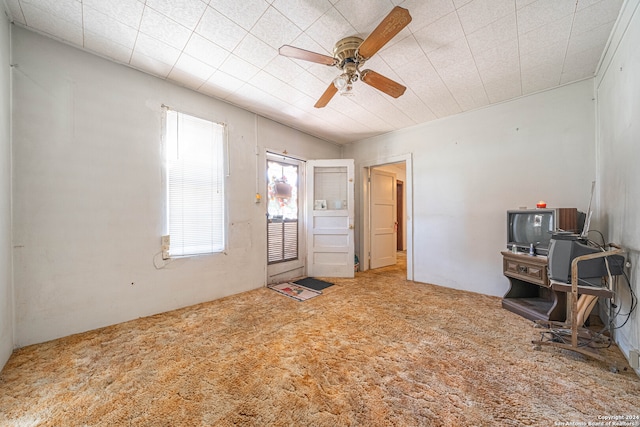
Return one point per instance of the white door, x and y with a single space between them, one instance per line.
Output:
383 218
330 212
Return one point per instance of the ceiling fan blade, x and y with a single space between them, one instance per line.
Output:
382 83
391 25
306 55
326 96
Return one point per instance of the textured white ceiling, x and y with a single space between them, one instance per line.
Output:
455 56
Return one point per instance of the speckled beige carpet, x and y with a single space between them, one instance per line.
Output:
371 351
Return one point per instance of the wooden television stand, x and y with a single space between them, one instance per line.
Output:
530 294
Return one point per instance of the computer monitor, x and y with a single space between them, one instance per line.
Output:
565 247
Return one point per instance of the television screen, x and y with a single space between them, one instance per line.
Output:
526 227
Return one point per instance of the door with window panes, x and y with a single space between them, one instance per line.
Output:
286 247
330 218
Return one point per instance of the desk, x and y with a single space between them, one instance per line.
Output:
582 340
587 298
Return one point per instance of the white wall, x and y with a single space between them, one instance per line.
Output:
470 168
618 157
88 196
6 297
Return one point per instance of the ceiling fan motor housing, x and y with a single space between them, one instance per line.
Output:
346 53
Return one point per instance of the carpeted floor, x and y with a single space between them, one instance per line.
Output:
376 350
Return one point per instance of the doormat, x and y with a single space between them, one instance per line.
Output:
297 292
312 283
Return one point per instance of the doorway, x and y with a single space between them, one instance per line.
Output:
286 242
383 227
310 217
401 242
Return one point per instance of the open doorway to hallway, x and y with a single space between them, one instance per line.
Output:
386 236
387 219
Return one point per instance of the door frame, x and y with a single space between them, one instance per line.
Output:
285 270
364 201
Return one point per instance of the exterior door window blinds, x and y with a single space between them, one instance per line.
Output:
282 240
195 184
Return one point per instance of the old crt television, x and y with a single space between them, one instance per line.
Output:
535 226
564 247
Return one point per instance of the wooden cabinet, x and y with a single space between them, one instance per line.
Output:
530 294
532 269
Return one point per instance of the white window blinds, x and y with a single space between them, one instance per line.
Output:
195 184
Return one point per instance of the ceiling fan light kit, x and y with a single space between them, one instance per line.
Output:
350 53
344 84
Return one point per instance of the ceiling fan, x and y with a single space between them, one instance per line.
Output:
350 54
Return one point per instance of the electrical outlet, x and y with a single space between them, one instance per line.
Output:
634 359
165 240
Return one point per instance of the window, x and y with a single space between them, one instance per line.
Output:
195 184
